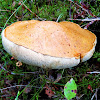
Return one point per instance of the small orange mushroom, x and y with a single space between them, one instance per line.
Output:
49 44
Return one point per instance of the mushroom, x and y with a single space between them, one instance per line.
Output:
49 44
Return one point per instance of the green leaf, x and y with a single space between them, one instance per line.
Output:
70 89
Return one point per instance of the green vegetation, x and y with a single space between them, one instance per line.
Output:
33 83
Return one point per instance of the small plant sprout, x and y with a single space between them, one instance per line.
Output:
70 89
17 95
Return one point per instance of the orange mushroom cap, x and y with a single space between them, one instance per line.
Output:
49 44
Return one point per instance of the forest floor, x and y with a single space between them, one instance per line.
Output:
19 81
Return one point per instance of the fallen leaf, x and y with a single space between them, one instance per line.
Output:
70 89
90 88
49 91
12 58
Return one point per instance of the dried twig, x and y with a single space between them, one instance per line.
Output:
86 19
95 72
30 10
19 86
90 23
95 95
79 97
86 10
3 10
92 20
2 67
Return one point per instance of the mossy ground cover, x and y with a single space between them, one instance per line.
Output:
24 82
